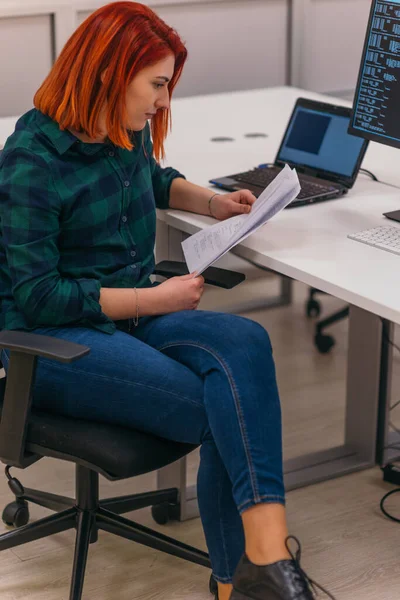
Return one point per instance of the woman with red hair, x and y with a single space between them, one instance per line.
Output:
79 185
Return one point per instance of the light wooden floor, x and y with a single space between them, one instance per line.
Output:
348 546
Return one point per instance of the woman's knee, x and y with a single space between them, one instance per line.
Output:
242 332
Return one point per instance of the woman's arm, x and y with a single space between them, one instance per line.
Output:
175 294
30 210
188 196
193 198
120 303
171 190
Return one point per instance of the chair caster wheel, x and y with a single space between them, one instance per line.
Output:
16 514
324 343
313 309
165 512
213 587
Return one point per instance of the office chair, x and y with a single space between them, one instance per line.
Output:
323 342
27 435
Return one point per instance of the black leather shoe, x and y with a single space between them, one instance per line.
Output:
283 580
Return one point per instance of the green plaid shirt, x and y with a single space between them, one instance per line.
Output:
75 217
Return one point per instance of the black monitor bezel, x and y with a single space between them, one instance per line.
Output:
361 133
333 109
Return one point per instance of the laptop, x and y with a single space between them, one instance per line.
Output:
316 142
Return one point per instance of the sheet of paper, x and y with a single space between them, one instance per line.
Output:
280 192
209 242
208 245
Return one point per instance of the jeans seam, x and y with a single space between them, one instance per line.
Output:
222 579
275 497
220 524
237 406
128 383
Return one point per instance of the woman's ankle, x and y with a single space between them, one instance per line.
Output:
266 533
268 555
224 591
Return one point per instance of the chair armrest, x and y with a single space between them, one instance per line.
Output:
213 275
25 349
42 345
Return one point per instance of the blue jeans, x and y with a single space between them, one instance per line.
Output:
193 376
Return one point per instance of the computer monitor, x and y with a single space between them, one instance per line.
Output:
376 109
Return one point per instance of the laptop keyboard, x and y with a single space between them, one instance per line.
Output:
263 177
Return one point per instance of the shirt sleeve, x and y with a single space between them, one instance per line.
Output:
161 178
31 218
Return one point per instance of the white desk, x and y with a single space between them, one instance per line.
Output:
197 119
308 244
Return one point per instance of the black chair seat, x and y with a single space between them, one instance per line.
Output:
116 452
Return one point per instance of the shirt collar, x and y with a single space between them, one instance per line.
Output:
63 140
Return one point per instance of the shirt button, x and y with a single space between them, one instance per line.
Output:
124 219
133 253
126 183
111 153
132 266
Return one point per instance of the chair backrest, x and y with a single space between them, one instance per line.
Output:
2 390
1 365
2 374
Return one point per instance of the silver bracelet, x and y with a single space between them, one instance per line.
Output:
135 320
209 204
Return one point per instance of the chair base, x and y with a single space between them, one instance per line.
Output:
334 318
323 342
87 515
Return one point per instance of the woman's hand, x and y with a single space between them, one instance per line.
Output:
180 293
229 205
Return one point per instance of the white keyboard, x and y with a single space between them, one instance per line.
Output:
385 238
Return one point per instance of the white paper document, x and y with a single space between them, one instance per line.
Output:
208 245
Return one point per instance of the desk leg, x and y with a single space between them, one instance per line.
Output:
388 448
363 383
168 242
174 476
362 407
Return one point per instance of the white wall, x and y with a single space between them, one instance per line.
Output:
233 44
26 57
328 42
226 41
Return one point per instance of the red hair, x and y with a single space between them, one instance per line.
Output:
119 39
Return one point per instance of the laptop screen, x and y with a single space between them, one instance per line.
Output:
320 140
